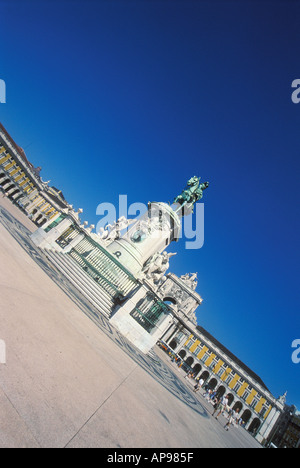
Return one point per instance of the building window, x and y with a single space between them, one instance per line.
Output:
254 403
179 336
213 364
190 343
237 387
7 163
228 380
263 411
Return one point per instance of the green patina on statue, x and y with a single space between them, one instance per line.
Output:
192 194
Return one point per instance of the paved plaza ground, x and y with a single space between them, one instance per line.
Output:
71 380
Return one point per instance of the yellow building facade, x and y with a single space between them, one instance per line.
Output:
22 184
224 374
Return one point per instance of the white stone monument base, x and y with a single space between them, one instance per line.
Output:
132 330
44 241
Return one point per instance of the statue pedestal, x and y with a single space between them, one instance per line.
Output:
47 240
143 319
149 235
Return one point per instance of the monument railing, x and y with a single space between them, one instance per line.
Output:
143 320
149 313
104 268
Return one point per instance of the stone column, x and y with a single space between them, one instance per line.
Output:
268 425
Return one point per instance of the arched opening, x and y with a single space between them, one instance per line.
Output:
43 222
254 426
212 384
38 219
189 361
204 376
246 416
196 369
14 193
221 391
182 354
187 364
173 344
170 300
238 406
230 399
10 187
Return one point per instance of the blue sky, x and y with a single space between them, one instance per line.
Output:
135 97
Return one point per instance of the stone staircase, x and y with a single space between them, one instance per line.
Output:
83 282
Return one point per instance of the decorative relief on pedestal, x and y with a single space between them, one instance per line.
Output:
181 292
157 267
